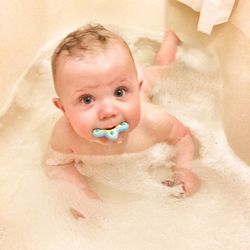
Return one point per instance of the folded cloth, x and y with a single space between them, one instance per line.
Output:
212 12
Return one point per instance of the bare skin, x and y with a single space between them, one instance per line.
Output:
167 51
114 95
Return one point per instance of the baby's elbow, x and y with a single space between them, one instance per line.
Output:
179 133
190 144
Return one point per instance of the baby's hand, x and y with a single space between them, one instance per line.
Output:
70 174
189 181
185 177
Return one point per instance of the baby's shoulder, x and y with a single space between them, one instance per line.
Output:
61 127
61 136
157 121
155 115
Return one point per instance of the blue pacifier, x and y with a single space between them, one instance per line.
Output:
111 134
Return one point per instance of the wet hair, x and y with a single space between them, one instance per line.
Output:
88 40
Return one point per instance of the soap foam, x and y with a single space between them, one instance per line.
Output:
35 211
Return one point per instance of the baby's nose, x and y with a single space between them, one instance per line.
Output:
107 110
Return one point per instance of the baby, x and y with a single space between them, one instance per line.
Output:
101 93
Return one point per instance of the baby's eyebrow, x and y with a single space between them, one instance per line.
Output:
86 88
124 80
80 91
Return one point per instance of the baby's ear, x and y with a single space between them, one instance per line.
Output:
57 102
139 70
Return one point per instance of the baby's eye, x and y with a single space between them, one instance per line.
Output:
87 99
120 91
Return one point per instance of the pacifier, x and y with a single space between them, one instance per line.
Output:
111 134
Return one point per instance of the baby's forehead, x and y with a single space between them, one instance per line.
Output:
66 62
117 51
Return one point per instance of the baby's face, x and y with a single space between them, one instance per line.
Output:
100 92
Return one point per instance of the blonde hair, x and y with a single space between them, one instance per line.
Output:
87 40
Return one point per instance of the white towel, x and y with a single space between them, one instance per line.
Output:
212 12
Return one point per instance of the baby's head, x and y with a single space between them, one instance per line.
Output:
96 81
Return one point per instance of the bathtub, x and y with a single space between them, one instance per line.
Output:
35 211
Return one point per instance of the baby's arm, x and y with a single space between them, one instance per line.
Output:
180 136
69 173
185 152
61 169
177 134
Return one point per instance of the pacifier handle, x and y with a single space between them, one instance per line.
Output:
111 134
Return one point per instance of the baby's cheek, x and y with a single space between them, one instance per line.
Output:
81 127
135 114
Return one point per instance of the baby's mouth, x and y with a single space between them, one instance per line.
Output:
109 128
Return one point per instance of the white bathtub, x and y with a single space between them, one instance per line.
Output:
34 211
